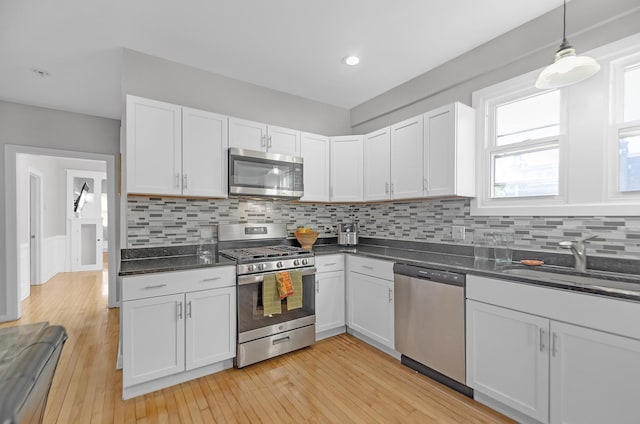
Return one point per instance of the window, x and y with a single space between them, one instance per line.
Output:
525 146
629 131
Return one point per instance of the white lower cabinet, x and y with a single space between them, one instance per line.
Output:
544 363
329 301
175 327
370 309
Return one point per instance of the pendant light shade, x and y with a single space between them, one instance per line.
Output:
568 68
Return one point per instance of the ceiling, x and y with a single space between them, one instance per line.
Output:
294 46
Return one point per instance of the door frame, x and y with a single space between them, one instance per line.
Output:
37 267
13 303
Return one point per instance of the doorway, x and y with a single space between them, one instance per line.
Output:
53 242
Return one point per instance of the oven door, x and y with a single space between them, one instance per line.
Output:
253 324
264 174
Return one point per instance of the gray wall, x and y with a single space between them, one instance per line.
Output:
160 79
48 128
590 24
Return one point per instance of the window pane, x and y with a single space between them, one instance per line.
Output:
528 119
632 94
629 163
530 173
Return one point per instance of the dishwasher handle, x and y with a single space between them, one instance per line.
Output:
430 274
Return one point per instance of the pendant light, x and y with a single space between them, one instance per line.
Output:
567 68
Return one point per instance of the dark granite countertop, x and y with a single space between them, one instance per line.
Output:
166 259
611 284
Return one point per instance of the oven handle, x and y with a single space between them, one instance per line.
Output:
258 278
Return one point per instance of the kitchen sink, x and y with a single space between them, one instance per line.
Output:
607 281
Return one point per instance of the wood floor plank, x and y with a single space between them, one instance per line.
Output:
337 380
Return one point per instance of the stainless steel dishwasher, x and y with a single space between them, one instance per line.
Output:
429 323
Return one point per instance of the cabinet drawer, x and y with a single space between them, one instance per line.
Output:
330 263
372 267
163 283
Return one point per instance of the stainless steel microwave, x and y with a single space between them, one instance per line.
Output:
254 173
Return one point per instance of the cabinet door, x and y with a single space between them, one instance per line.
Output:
377 168
595 376
370 307
153 152
204 153
329 300
346 169
210 326
508 357
86 244
152 339
245 134
315 152
407 159
283 140
439 151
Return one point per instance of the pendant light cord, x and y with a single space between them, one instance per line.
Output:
565 44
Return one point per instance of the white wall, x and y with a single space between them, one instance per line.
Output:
160 79
45 128
590 24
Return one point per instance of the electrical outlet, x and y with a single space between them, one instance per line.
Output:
328 229
457 232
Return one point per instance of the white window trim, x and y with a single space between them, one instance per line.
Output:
609 201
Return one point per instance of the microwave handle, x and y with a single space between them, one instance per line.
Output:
258 278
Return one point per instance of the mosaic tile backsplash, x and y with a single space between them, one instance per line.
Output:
167 221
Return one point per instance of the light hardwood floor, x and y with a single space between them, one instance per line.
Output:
339 380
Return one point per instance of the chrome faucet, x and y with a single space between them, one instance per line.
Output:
579 251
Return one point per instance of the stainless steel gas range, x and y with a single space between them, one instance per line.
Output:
259 250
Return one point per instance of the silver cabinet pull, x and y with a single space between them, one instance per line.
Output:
263 141
269 143
185 181
205 280
154 286
367 267
282 340
331 264
426 184
554 344
317 286
392 188
176 180
386 187
541 339
390 295
189 309
179 310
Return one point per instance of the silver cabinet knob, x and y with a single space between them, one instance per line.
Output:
296 262
260 267
279 264
251 267
305 261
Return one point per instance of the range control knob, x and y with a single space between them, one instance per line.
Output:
260 267
251 268
305 261
296 262
279 264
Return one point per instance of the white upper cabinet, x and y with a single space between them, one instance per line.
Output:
346 169
377 167
171 150
407 159
449 151
204 158
315 151
153 153
244 134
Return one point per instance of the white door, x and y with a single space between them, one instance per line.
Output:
283 140
595 376
407 158
35 234
315 152
346 169
508 357
210 326
249 135
86 244
439 151
377 166
370 307
329 300
153 152
152 338
204 153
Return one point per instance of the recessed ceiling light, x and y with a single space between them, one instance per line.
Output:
351 60
42 73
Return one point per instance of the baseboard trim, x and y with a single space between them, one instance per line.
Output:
374 343
330 333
